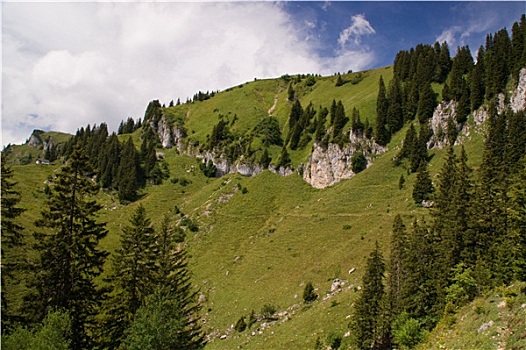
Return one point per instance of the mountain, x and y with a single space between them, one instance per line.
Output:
258 231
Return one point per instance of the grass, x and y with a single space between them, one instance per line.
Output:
262 246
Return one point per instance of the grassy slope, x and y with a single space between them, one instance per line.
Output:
262 247
503 311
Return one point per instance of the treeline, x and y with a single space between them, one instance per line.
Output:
410 94
119 166
145 301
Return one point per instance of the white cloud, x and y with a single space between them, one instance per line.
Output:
449 35
359 26
69 64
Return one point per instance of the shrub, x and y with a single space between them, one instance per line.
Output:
268 311
406 331
359 162
308 293
240 325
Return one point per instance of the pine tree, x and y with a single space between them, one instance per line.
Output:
173 277
339 122
357 126
133 277
397 273
339 81
291 93
426 103
478 86
423 187
265 159
109 163
12 236
366 330
516 237
284 158
382 106
418 291
395 116
129 174
70 259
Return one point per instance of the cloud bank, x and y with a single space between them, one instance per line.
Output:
69 64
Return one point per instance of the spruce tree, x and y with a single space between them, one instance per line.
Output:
70 259
366 324
133 277
426 103
397 273
12 236
395 114
423 187
173 277
477 81
129 173
382 106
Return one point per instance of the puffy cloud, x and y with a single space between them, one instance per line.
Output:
359 26
69 64
449 35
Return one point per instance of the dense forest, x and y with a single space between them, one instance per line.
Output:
473 239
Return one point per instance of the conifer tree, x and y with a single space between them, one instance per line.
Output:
357 126
133 277
418 291
265 159
109 163
284 158
516 237
382 105
395 116
70 259
12 236
173 277
397 273
426 103
129 174
339 122
366 325
423 187
478 86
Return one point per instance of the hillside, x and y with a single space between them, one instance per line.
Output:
257 237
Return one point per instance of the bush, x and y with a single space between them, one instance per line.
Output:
359 162
406 331
308 293
252 319
268 311
240 325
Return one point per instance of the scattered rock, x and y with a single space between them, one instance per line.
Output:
485 326
201 299
352 270
337 284
223 336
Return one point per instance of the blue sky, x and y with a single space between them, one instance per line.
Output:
67 64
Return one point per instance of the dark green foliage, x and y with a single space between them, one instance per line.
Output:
53 334
265 159
426 103
291 93
251 319
129 173
409 144
357 126
268 311
109 163
128 127
241 325
365 324
423 187
464 104
321 119
497 62
208 168
12 236
382 105
284 158
339 122
160 325
339 81
269 131
359 162
397 268
133 276
443 66
407 332
153 113
395 115
477 81
70 259
221 134
462 65
401 182
309 295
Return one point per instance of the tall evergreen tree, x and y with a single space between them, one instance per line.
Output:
129 172
382 106
367 334
395 114
70 259
426 103
397 273
12 236
478 86
133 277
423 187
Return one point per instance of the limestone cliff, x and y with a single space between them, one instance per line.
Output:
327 166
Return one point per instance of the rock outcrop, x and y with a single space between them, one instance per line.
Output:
327 166
518 98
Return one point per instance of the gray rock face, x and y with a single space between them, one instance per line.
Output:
439 123
169 136
326 167
518 98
